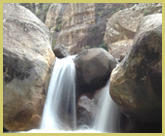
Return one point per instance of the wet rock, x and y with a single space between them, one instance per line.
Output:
27 64
86 110
136 83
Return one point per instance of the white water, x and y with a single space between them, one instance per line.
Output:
107 119
61 92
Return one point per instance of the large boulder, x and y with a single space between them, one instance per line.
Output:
93 69
136 83
119 49
27 64
60 51
122 26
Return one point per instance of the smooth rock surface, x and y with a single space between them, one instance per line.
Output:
122 26
93 69
136 83
27 65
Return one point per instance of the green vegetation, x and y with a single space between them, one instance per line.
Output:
85 47
65 22
100 46
52 34
53 42
57 28
45 7
146 12
52 7
100 12
38 12
117 9
94 30
103 46
58 20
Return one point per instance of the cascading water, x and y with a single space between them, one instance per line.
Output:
59 112
107 118
60 97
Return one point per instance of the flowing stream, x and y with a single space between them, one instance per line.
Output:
107 119
59 114
60 97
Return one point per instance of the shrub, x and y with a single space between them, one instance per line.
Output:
146 12
85 47
103 46
57 28
53 42
117 9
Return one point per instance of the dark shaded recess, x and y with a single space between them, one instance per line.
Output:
129 125
95 84
151 58
5 130
13 67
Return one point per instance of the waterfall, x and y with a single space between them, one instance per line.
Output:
59 112
107 118
60 97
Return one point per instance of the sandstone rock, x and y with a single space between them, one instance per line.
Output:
39 9
27 63
53 15
136 83
93 69
122 26
77 25
119 49
60 51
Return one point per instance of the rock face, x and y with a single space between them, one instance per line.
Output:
122 26
60 51
119 49
93 69
77 25
27 63
39 9
53 15
136 83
